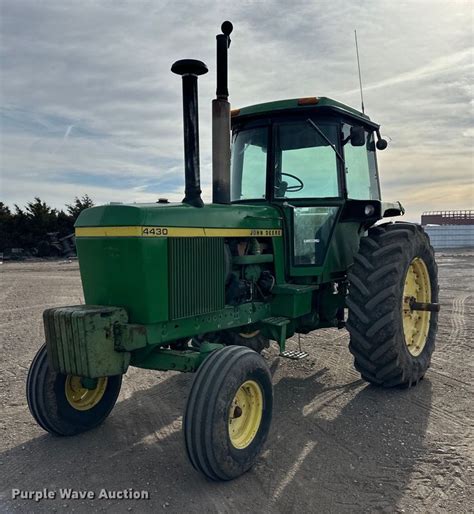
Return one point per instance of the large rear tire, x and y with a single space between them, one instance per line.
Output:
392 344
228 413
61 404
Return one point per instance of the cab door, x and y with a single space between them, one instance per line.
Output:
307 187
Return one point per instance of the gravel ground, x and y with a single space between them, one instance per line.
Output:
336 443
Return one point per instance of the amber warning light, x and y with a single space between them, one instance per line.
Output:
310 100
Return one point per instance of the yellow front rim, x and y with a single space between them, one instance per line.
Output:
416 324
81 398
245 414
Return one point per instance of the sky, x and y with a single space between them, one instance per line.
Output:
89 105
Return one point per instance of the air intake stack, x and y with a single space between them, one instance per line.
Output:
190 69
221 122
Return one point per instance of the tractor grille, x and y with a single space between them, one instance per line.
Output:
197 276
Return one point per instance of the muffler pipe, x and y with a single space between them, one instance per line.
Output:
221 122
190 69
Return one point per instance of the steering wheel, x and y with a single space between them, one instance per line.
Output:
290 189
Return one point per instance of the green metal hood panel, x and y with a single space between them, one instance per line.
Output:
180 215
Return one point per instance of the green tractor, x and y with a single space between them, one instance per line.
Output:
289 245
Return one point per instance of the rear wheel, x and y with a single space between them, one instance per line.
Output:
391 342
67 404
228 413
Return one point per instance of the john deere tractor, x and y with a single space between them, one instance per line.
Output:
291 243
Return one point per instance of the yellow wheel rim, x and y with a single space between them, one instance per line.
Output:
81 398
249 335
416 324
245 414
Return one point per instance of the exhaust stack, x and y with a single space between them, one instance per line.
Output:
190 69
221 122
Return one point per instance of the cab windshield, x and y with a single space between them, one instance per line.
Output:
304 161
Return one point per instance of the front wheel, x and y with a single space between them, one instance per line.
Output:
228 413
393 273
62 404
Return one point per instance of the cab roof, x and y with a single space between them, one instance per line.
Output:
322 102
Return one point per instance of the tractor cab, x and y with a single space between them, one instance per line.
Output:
314 159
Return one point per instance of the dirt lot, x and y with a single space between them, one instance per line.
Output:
336 444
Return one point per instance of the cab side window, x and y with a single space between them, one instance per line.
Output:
361 168
249 164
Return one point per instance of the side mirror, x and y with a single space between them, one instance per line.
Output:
357 136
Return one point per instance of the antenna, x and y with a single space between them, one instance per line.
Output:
360 77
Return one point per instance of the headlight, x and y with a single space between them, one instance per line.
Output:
369 210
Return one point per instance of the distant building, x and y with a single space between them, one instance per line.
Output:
449 229
447 218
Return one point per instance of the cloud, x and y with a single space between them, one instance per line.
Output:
445 64
90 105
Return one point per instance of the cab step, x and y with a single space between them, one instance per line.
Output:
295 355
275 328
276 321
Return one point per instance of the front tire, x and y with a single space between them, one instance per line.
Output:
228 413
61 405
391 344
